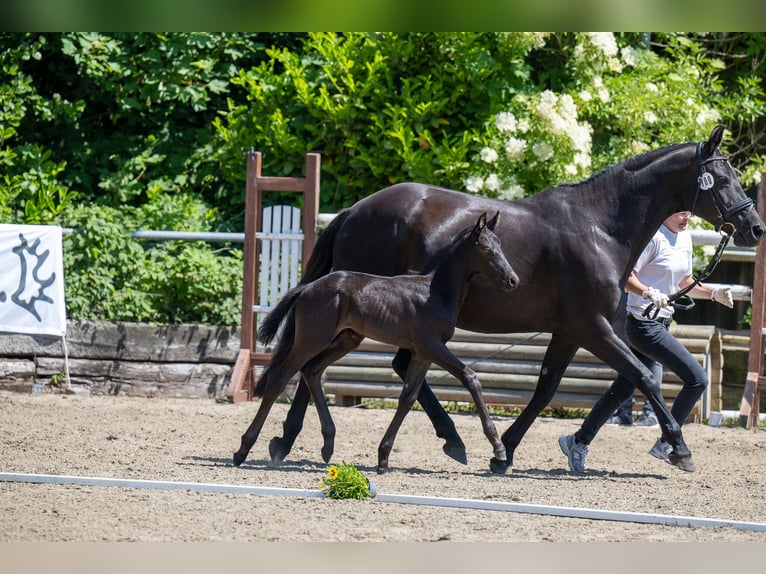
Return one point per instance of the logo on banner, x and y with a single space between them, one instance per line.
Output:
31 287
31 284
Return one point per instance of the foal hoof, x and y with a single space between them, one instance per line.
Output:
327 453
683 462
277 450
456 451
498 466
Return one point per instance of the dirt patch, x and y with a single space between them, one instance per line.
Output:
192 440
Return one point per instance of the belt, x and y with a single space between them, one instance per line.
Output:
663 320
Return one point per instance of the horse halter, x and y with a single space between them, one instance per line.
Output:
706 182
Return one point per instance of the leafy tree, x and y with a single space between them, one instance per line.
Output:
111 132
381 107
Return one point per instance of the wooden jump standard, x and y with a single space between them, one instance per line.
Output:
241 385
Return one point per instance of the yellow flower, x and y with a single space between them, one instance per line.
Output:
345 481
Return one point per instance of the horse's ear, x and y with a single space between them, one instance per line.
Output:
481 223
492 223
713 141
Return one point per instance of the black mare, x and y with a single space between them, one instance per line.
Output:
572 246
328 318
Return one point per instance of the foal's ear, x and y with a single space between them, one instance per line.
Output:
481 223
709 147
492 223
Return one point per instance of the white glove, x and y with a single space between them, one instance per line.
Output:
723 296
657 297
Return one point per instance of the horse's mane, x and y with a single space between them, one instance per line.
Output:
634 163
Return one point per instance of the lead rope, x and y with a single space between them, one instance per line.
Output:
686 302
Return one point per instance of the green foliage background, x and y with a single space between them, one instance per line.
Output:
108 133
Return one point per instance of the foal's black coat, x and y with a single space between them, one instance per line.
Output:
573 247
329 317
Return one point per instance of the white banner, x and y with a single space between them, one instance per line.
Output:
32 280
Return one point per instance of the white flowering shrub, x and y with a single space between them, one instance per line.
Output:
535 142
616 100
637 101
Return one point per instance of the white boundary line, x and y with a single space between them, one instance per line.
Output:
465 503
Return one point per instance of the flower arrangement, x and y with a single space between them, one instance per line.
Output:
345 481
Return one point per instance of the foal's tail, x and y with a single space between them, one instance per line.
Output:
318 265
270 325
272 321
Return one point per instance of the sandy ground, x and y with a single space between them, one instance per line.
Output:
192 440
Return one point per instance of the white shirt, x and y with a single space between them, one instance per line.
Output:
665 260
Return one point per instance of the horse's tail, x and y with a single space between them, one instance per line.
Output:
318 265
320 262
272 321
285 307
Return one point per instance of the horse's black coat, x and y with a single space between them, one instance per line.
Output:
329 317
572 246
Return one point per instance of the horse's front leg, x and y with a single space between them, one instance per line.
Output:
441 421
449 362
413 379
617 355
556 360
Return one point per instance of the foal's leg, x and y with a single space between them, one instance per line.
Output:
273 389
279 447
441 421
412 381
557 358
443 357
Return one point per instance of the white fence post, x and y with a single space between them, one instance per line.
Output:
280 255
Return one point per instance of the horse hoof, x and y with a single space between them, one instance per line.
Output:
277 450
382 468
456 451
238 459
498 466
683 462
327 453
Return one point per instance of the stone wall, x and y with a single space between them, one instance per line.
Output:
137 359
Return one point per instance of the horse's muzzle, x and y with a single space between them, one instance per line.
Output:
751 239
510 282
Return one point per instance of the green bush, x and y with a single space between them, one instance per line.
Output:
109 275
380 107
112 132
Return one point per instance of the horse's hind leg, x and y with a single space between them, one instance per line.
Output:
441 421
313 378
279 447
270 396
413 379
556 360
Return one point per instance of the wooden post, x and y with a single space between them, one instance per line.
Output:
755 382
310 205
241 385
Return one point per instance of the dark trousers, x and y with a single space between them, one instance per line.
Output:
625 410
652 342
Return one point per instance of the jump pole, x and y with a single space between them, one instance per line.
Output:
463 503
